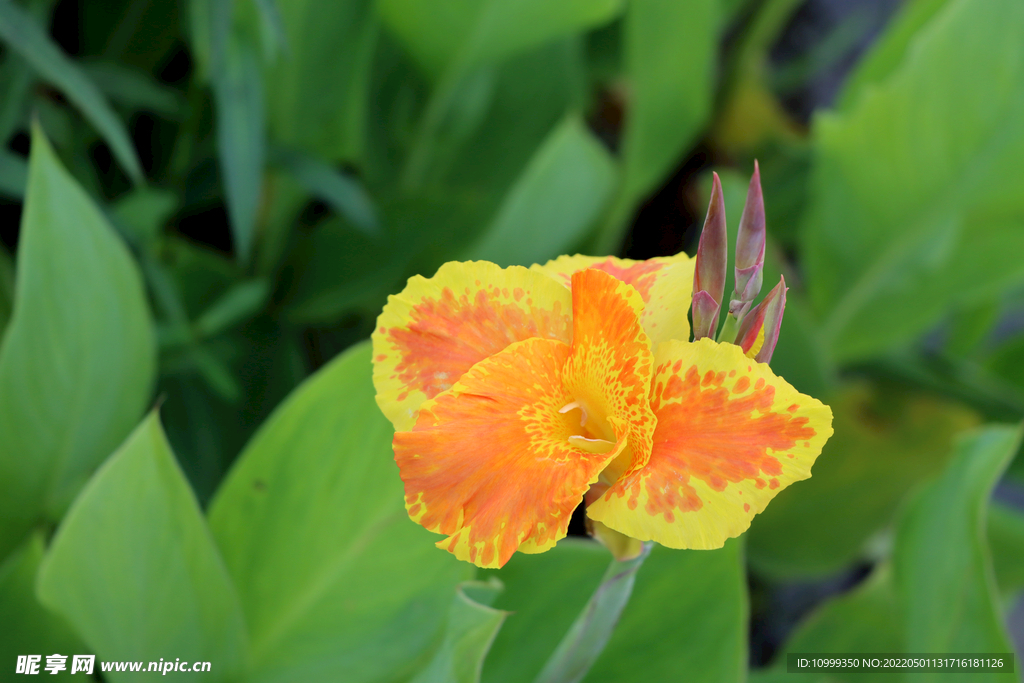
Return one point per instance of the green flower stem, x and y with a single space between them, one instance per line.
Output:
586 638
729 329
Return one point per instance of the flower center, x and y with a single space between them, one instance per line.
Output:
595 435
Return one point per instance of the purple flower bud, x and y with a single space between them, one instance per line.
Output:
712 261
705 315
766 317
772 320
750 244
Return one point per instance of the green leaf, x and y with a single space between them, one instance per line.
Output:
544 594
341 192
317 91
243 300
885 442
238 93
467 33
272 29
30 627
889 50
688 612
1007 361
144 212
583 643
6 289
78 359
531 94
1006 540
133 566
556 199
915 194
468 635
13 175
865 620
24 35
134 89
670 51
336 582
943 569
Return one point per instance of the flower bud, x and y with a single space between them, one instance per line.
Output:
749 249
763 322
712 261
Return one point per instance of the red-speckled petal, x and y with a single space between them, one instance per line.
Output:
730 436
609 370
436 329
664 284
490 462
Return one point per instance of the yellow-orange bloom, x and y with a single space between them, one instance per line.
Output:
515 392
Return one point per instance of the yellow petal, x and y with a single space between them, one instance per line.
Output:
436 329
489 462
730 436
665 284
609 371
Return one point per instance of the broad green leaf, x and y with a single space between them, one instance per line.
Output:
336 582
24 35
889 50
865 620
1006 540
586 639
28 626
688 613
670 50
134 568
885 442
238 93
472 625
466 33
915 192
78 358
13 175
134 89
943 569
556 199
544 594
6 289
341 192
317 89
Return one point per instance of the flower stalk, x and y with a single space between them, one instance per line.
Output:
586 638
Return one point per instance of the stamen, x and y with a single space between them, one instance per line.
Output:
592 445
573 406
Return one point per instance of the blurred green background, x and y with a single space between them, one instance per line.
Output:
205 204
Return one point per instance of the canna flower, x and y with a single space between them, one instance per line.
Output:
516 393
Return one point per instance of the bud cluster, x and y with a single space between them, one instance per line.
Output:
754 328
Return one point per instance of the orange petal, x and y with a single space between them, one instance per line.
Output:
730 436
489 462
436 329
664 282
609 370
